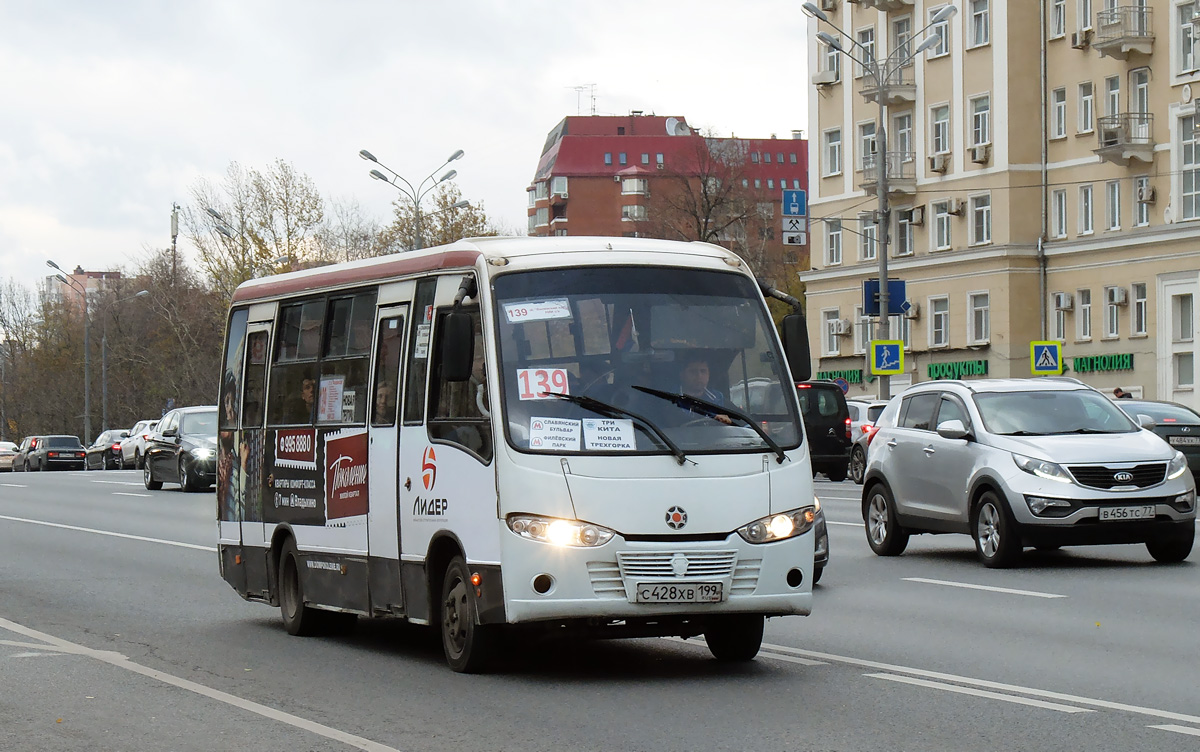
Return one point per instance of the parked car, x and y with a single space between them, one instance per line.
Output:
1179 425
133 446
827 425
1043 462
8 450
55 452
183 449
863 414
105 451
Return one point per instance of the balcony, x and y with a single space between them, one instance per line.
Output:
898 85
886 5
1121 31
901 173
1129 135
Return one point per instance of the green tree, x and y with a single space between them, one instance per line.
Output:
439 225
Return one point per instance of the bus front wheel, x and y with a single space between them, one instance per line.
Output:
469 645
298 619
735 638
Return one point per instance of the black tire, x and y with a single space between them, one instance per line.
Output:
836 474
121 461
298 619
25 467
148 478
858 465
884 534
138 459
470 647
735 638
817 572
1174 549
186 483
997 541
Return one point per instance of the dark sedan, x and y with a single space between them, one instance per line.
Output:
105 451
1178 425
183 450
55 453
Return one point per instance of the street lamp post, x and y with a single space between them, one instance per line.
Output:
87 346
420 191
104 357
882 72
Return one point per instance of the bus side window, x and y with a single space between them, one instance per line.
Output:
235 350
387 371
292 399
418 352
342 392
255 393
459 412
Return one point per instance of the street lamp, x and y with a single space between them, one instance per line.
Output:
415 194
87 360
884 74
104 356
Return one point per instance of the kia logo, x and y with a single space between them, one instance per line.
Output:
1123 477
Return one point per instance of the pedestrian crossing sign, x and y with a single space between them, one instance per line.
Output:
1045 358
887 357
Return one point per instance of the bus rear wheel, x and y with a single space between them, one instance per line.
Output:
298 619
469 646
735 638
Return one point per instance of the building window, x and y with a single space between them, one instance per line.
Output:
792 158
1083 318
779 157
532 194
543 216
1141 209
980 320
621 158
981 219
980 23
862 331
558 185
942 31
658 158
1138 325
833 62
941 225
637 186
1058 208
754 157
904 232
831 322
1085 14
757 183
902 135
1112 205
939 322
645 158
940 116
833 242
1185 376
866 142
901 36
866 246
1112 312
1058 18
770 184
1058 113
1187 38
900 327
767 157
796 183
1060 322
1190 151
608 157
543 189
1182 318
865 49
633 213
981 119
1087 112
1086 224
1112 95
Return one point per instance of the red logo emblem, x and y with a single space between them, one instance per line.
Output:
428 468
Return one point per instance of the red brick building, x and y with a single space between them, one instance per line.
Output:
654 176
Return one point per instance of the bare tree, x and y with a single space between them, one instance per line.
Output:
348 233
439 225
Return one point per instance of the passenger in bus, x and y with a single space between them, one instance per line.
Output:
693 381
385 402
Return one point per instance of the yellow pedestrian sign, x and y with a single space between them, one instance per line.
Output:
1045 358
887 357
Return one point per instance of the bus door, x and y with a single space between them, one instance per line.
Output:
383 532
247 472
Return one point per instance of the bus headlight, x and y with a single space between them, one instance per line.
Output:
559 532
779 526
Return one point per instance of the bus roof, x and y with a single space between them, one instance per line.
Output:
463 253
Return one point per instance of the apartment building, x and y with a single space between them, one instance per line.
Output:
1043 183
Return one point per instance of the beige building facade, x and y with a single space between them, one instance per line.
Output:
1044 184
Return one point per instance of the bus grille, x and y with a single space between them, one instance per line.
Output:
606 579
707 564
745 577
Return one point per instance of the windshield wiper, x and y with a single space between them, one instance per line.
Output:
612 411
1088 430
686 400
1023 433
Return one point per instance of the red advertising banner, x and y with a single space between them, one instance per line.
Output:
345 474
296 447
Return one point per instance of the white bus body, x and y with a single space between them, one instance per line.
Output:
567 483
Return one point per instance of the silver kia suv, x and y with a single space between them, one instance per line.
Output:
1042 462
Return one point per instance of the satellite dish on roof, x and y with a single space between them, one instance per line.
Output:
677 128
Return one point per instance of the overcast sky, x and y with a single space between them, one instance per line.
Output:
110 111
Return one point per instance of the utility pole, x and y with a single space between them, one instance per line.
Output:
174 235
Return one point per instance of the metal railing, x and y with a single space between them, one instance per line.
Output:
1127 128
901 166
1126 22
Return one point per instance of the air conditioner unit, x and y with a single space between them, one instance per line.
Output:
1116 296
616 178
825 78
918 216
1063 301
939 162
956 206
1145 194
841 326
914 310
981 154
828 4
1081 39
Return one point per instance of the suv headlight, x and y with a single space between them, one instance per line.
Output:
1177 467
559 532
1042 468
778 527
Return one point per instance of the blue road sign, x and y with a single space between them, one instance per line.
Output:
1045 358
897 297
887 357
842 384
795 203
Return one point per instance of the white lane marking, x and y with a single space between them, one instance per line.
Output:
990 588
29 645
793 659
862 663
1177 729
980 693
851 524
213 549
120 661
13 485
117 482
35 655
126 493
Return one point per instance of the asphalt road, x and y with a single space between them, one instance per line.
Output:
117 633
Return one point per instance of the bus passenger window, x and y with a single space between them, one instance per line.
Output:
460 413
254 396
387 371
235 348
418 352
342 391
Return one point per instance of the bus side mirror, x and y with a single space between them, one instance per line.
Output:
458 346
795 346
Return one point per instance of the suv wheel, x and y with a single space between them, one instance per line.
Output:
996 539
836 474
884 535
1172 550
858 465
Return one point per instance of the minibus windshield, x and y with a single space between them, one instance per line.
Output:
656 352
